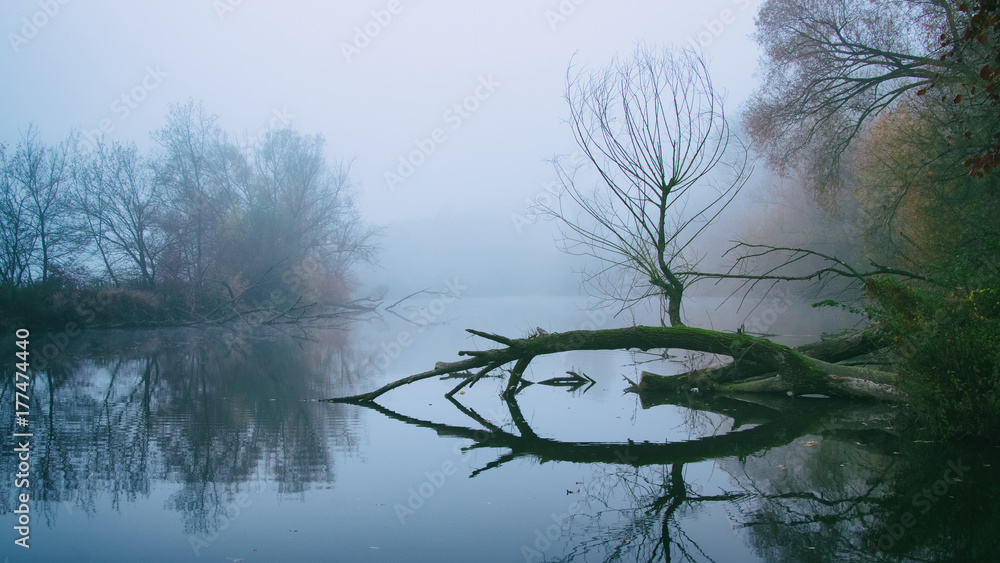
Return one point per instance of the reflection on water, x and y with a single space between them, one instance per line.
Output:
185 445
121 411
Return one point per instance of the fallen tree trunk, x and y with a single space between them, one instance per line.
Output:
785 369
836 349
844 347
751 377
836 381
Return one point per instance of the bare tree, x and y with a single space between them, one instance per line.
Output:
119 204
654 128
191 172
36 234
15 236
296 182
294 208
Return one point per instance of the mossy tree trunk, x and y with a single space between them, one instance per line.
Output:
772 367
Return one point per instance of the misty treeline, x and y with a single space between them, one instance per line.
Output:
206 226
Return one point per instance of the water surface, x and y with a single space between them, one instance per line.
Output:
189 445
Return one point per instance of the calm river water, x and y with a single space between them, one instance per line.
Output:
212 445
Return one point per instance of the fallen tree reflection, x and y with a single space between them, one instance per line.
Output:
807 480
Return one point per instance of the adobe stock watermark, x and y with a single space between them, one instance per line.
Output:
279 119
435 480
32 25
561 12
777 302
924 500
123 106
545 537
455 116
546 199
229 514
225 7
365 34
715 27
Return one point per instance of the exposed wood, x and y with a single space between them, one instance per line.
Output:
516 374
833 380
754 377
470 378
843 347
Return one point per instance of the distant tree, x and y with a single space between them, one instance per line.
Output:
221 230
296 208
37 235
896 104
654 129
895 101
119 204
16 237
900 101
191 172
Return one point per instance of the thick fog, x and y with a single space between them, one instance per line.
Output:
447 112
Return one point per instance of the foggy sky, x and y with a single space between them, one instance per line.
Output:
478 85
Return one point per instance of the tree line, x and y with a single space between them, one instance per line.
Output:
894 106
204 223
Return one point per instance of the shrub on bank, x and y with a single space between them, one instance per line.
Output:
52 306
953 376
949 351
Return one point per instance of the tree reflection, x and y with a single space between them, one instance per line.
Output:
209 413
202 410
811 480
